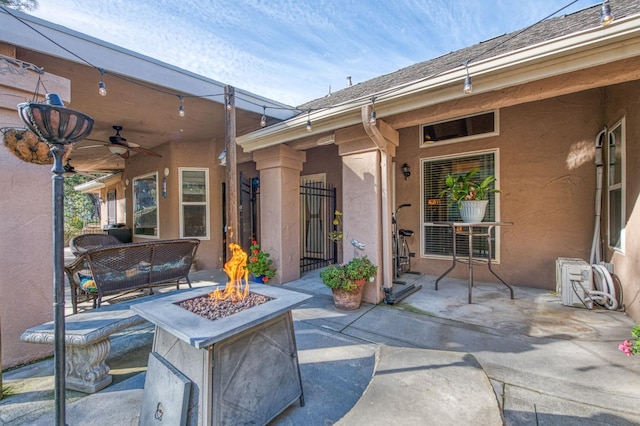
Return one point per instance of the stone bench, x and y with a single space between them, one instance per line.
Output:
87 343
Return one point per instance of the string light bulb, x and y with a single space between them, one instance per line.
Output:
181 107
468 87
606 17
228 106
373 117
102 88
309 128
263 120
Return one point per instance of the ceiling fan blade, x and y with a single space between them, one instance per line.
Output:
145 151
91 146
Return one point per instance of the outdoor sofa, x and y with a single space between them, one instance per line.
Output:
116 270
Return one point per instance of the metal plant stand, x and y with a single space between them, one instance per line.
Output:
58 126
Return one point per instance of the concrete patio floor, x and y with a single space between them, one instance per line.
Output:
431 358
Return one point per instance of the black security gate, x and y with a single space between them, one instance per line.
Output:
248 209
317 207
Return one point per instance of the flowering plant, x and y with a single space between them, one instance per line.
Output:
631 347
259 263
336 234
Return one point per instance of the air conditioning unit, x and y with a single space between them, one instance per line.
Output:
574 278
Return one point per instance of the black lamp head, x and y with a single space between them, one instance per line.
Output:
406 171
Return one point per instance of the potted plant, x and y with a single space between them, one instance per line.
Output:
469 195
259 264
347 280
361 269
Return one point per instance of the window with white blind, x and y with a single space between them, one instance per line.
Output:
615 156
194 203
437 240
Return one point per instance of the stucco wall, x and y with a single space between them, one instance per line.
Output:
325 159
202 154
26 235
547 177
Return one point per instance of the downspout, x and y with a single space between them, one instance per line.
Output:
384 145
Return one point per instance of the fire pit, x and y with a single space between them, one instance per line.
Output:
243 368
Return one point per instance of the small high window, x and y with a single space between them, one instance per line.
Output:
460 129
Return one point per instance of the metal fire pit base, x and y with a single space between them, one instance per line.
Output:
246 372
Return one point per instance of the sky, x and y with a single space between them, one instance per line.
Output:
294 51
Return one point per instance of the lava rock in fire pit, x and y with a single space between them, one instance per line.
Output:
211 309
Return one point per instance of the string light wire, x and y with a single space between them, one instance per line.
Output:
378 95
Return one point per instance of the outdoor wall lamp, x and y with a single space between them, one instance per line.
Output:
58 126
406 171
223 158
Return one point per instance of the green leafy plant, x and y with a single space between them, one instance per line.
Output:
464 187
259 263
631 347
344 276
335 277
361 268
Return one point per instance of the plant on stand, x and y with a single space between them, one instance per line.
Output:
468 194
336 234
259 264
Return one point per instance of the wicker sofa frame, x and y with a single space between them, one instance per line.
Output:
86 242
123 268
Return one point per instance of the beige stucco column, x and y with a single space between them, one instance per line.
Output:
280 168
366 153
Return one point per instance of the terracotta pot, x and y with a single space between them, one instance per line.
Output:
348 300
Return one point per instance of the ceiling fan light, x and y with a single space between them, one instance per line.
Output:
118 150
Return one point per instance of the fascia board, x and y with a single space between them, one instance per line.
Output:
124 62
588 48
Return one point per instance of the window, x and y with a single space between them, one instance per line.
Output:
145 206
616 185
436 240
112 218
460 129
194 203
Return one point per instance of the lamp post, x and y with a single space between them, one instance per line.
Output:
58 126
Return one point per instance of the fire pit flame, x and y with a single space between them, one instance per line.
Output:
237 287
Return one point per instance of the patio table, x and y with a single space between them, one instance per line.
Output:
471 230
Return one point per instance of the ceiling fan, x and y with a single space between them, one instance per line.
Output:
69 171
121 147
118 145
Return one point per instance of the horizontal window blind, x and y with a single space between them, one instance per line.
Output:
437 240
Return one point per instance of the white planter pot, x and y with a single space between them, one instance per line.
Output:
473 211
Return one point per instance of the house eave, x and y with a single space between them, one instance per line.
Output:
125 62
576 51
96 185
